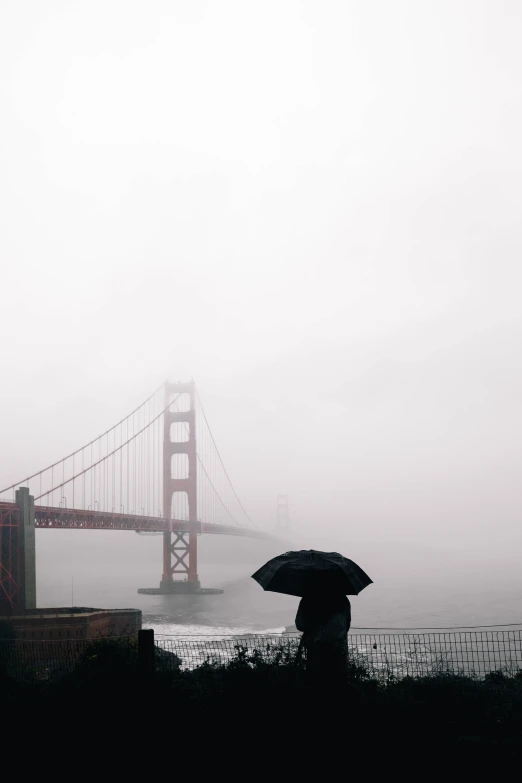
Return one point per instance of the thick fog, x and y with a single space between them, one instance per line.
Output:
312 208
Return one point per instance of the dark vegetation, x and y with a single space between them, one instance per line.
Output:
251 713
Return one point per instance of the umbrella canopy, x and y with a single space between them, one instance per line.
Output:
309 572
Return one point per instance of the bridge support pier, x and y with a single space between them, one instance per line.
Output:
25 503
180 552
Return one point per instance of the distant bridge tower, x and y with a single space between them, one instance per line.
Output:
180 550
283 513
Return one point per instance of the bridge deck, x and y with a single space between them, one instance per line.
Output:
55 518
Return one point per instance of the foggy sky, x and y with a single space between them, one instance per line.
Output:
312 208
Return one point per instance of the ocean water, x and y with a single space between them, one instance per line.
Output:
427 589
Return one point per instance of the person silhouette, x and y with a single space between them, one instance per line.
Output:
324 619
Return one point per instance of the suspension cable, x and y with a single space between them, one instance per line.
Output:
106 456
44 470
222 463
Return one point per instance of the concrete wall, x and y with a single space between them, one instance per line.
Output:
63 624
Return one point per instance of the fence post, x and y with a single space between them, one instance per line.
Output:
146 653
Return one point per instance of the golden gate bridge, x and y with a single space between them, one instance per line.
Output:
158 470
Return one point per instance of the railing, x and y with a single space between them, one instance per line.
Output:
385 657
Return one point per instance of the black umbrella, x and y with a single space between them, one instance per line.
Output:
309 572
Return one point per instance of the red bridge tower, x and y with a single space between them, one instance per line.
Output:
180 550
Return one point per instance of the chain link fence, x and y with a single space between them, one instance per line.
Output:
382 656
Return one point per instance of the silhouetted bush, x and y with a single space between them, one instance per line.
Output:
268 693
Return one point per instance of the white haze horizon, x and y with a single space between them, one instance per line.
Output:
312 209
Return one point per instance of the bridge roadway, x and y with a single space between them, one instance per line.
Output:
56 518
